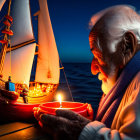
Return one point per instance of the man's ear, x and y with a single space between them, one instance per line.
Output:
128 46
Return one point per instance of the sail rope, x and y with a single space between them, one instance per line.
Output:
4 48
66 79
10 57
9 9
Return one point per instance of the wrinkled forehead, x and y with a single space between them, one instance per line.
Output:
100 39
92 38
94 41
97 26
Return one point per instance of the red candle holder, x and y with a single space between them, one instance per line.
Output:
83 109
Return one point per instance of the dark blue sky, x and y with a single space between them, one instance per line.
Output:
70 24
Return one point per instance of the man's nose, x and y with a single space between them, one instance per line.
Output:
94 66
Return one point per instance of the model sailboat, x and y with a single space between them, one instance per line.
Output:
19 56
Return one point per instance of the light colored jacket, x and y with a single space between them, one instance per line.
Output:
126 123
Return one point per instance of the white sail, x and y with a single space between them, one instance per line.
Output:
2 3
22 27
48 60
21 64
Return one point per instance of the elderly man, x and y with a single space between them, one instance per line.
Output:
115 43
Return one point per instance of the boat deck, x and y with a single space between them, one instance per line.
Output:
22 131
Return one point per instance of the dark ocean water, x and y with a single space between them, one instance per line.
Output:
84 86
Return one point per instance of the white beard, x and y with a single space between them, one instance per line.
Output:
107 86
108 83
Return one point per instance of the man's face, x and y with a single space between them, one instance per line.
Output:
104 62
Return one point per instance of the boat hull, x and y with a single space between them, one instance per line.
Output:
17 110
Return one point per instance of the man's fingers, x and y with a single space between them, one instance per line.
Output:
66 114
54 122
61 126
51 119
69 115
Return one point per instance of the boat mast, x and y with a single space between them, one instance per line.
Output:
4 45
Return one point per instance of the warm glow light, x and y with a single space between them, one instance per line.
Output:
40 90
60 100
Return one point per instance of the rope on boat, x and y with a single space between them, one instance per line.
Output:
66 79
9 7
4 46
10 57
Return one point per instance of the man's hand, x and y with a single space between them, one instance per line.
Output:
65 125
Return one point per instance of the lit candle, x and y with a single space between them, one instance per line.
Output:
83 109
60 100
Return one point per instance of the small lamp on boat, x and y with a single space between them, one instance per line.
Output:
10 86
83 109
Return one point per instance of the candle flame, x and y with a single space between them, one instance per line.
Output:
60 100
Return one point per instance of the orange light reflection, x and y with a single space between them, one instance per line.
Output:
40 90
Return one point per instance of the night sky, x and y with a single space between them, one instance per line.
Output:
70 20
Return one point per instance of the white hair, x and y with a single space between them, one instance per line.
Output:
116 21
